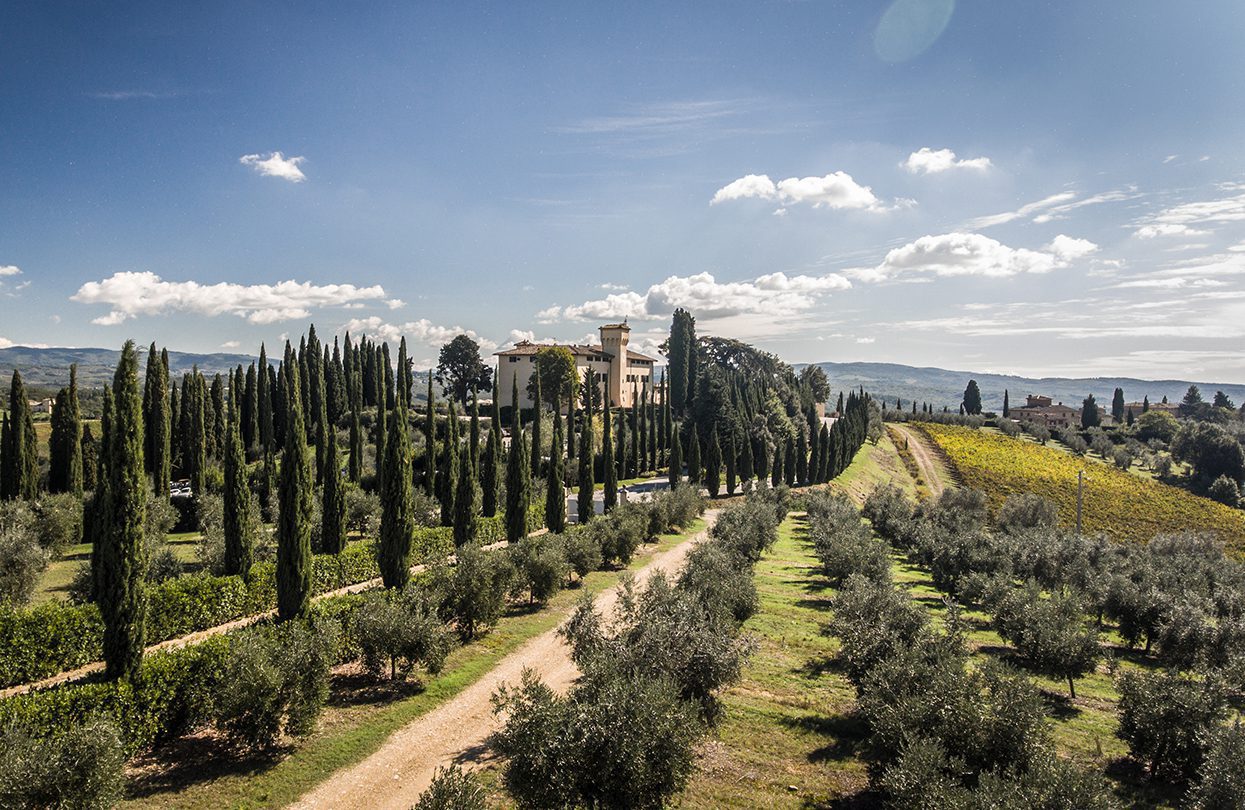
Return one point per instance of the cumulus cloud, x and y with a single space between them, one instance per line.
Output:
131 294
837 190
973 254
10 270
276 165
231 344
706 296
934 161
420 331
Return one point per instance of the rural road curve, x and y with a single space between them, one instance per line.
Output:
924 458
457 731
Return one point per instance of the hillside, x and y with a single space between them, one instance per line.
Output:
943 387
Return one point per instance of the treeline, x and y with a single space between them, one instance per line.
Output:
1049 594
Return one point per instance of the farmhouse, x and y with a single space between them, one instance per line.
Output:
1042 411
610 359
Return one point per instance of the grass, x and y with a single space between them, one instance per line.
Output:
872 467
350 732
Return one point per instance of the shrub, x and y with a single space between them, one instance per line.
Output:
874 622
583 555
890 512
1050 634
718 582
398 632
1027 511
22 558
275 680
1122 459
1166 720
362 512
452 789
472 594
59 522
620 533
1221 781
611 742
846 546
78 767
540 566
1225 490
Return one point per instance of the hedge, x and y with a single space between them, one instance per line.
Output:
40 642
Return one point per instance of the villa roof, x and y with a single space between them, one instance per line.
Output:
526 347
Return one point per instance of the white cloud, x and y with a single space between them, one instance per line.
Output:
1193 218
933 161
706 296
231 344
10 270
420 331
5 343
1054 207
276 165
1170 158
972 254
837 190
395 303
865 340
1020 213
131 294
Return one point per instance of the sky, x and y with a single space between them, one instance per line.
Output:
1036 188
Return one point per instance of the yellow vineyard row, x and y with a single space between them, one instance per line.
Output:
1119 504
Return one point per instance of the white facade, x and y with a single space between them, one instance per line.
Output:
627 371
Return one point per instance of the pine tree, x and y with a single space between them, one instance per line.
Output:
713 464
608 468
676 458
333 503
518 475
536 437
294 494
555 495
397 521
587 486
694 466
65 472
20 456
237 526
122 600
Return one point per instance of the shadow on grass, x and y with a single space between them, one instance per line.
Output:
188 761
1136 789
1060 706
864 800
844 733
361 688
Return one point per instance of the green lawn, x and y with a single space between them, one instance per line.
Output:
351 729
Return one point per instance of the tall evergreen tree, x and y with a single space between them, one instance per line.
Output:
264 394
693 454
20 456
518 476
1007 405
608 469
681 360
801 459
65 472
250 408
333 501
713 464
382 424
789 462
731 462
746 473
536 431
490 472
122 600
466 503
356 446
397 522
972 399
237 501
1117 406
555 495
776 466
160 424
676 458
634 464
1089 413
216 424
450 465
97 520
295 497
152 371
473 438
586 511
430 442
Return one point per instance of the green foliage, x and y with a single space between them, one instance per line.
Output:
843 543
397 525
78 767
472 593
275 681
1221 781
1166 719
398 631
583 552
452 788
22 558
460 369
1050 634
540 566
972 399
295 496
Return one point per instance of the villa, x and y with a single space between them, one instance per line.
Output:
611 360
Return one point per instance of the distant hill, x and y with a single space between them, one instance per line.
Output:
942 387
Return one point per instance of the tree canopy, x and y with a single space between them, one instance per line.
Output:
461 369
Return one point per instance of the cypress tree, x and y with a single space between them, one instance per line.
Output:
381 428
814 459
518 472
801 459
333 511
430 442
1117 406
473 442
609 471
264 395
238 541
20 457
789 462
294 494
731 462
356 446
97 521
122 600
536 431
450 466
761 458
633 454
397 522
776 466
585 509
153 364
823 455
713 464
466 504
250 409
65 473
693 454
491 471
570 427
216 425
745 460
198 435
555 495
161 426
676 459
1007 405
665 434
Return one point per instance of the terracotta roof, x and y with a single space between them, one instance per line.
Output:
622 325
525 347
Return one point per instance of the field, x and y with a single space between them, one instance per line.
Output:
1124 506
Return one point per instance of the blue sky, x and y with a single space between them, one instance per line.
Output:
1031 187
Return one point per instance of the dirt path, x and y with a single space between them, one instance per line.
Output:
926 462
457 731
201 635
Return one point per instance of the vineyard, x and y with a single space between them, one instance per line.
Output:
1121 505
